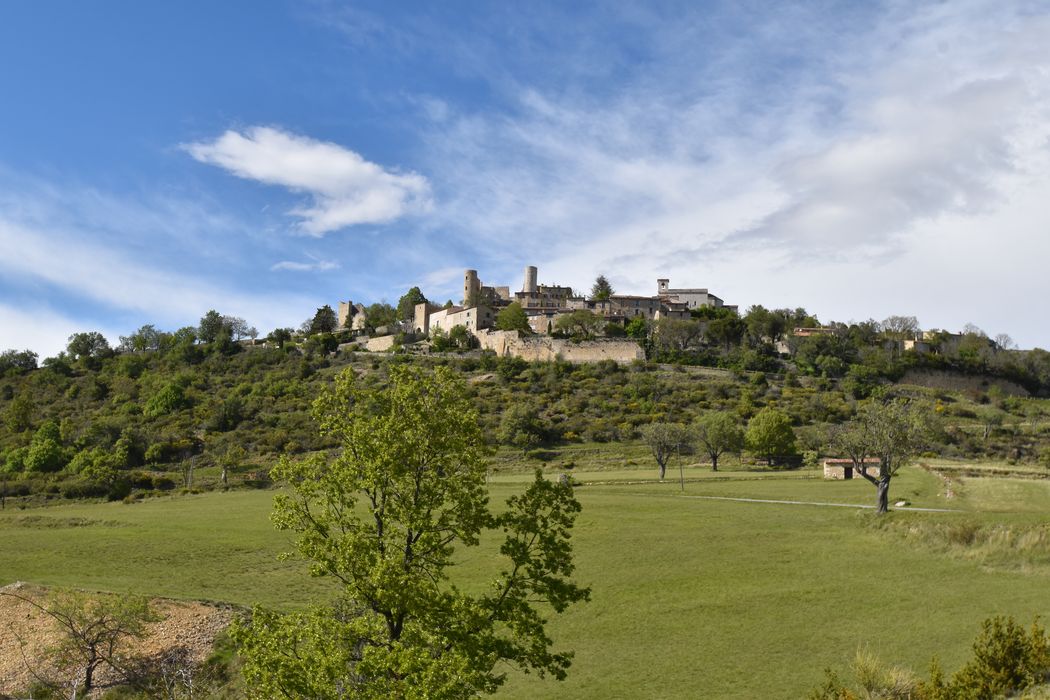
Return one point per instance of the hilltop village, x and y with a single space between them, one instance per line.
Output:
545 310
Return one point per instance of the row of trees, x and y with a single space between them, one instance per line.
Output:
887 433
769 434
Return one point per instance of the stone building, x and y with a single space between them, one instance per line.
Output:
544 304
474 292
692 298
354 312
839 469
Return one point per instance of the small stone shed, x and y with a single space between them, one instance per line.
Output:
843 468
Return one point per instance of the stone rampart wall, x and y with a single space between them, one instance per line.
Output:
546 349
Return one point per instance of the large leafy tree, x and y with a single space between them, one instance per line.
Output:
380 314
14 362
580 324
88 347
770 435
892 433
406 305
383 520
324 320
210 326
512 318
717 432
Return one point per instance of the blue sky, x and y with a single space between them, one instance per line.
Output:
265 158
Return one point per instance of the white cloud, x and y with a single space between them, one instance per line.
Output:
318 266
345 188
115 279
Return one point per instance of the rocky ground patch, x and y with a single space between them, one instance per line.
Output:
186 629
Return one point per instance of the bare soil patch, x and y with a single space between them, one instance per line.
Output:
26 632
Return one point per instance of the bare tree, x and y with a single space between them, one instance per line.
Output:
974 329
1005 342
899 326
97 635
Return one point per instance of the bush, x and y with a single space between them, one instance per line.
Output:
1006 659
163 483
83 488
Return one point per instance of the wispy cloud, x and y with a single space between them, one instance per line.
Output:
805 141
117 279
316 266
345 189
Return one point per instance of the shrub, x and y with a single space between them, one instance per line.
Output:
1006 659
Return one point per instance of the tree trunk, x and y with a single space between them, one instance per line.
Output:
714 462
89 673
663 469
884 494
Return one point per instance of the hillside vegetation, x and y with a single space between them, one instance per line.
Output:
195 415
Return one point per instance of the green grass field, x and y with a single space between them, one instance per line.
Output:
691 597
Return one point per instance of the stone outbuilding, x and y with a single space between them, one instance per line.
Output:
843 468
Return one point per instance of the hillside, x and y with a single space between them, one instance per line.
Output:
156 421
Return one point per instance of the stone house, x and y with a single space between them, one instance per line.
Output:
839 469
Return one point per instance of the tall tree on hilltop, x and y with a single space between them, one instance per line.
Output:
324 321
406 305
210 326
601 290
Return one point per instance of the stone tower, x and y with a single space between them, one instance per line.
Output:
471 286
661 286
530 286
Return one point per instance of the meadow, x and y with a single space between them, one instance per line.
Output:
693 596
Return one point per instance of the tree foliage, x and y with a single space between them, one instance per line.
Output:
672 335
899 327
891 432
324 320
406 305
521 426
601 290
717 432
378 315
210 326
1007 660
580 324
383 520
512 318
665 440
17 362
769 434
87 348
279 336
